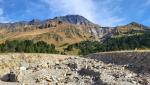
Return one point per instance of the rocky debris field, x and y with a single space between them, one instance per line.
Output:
45 69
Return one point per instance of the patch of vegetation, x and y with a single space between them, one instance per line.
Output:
132 32
113 44
133 42
85 47
27 46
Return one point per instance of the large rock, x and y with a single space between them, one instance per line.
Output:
10 77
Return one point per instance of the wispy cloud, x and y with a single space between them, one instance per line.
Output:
147 3
82 7
101 12
107 13
2 18
1 11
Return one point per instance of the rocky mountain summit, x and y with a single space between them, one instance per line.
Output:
70 19
74 19
113 68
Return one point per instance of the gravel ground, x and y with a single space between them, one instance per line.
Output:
46 69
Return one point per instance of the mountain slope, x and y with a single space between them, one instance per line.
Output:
131 26
132 36
67 30
59 31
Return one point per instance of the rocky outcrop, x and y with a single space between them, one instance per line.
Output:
74 19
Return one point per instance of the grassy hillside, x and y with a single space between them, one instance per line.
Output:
136 41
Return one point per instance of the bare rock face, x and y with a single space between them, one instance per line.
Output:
73 19
44 69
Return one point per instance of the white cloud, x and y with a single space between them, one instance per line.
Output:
101 12
107 12
81 7
2 18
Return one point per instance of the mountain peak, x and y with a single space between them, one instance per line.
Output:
131 26
35 21
135 24
141 26
74 19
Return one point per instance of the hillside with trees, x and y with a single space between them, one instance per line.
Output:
136 41
27 46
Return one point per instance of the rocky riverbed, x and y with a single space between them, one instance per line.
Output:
46 69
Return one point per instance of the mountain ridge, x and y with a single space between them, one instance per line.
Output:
73 19
62 29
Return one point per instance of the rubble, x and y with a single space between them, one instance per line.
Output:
71 71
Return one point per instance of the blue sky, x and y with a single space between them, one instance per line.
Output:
103 12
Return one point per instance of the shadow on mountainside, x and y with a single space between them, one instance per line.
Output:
138 62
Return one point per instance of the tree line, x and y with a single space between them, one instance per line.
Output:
27 46
140 41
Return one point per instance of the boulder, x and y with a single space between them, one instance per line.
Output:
10 77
